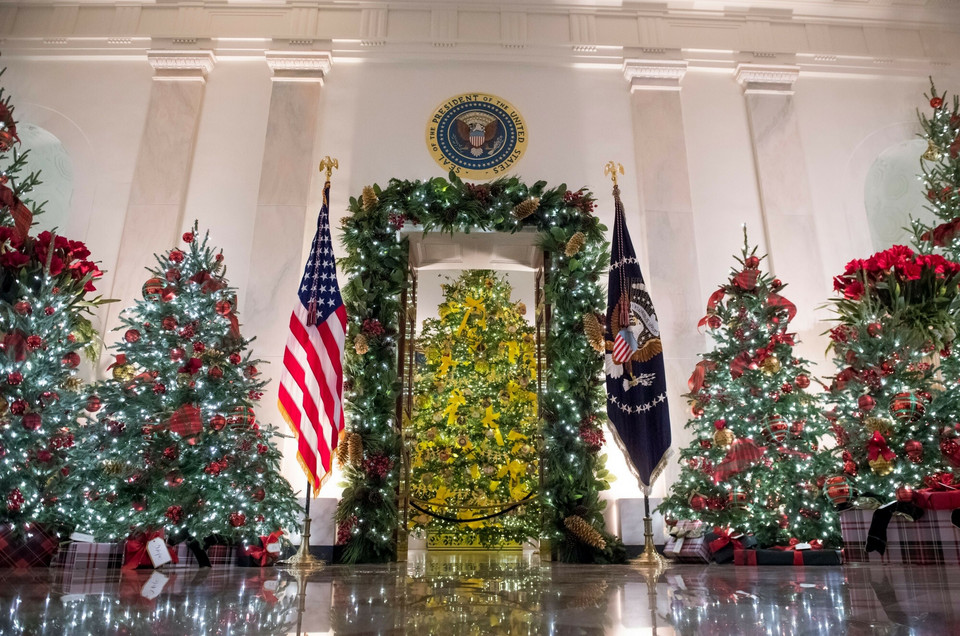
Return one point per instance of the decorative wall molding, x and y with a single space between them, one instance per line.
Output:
181 65
303 66
867 36
654 74
765 78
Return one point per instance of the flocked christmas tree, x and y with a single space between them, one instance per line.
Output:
176 444
44 282
476 415
753 465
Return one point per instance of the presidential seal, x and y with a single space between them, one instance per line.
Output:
476 135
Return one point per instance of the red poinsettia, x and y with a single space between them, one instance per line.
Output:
898 265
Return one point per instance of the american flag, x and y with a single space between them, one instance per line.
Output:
311 386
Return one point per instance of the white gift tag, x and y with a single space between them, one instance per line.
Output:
273 548
802 546
677 546
154 585
158 552
81 537
271 586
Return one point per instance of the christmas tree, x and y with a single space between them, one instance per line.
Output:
476 415
44 281
753 465
894 408
941 176
176 443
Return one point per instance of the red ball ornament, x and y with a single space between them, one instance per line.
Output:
906 406
905 493
238 519
139 504
14 378
866 403
705 443
132 335
720 424
698 502
752 262
159 388
914 450
219 257
187 332
71 359
223 307
93 404
23 308
936 102
251 371
176 353
776 283
796 429
152 289
874 329
188 237
951 451
258 495
34 342
217 422
48 311
174 479
18 407
235 358
775 430
802 381
850 468
176 256
786 388
169 323
215 372
14 500
714 322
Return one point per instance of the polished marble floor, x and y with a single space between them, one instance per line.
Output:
485 593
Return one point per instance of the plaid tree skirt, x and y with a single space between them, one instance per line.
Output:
33 548
931 540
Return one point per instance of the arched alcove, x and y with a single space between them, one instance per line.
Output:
893 193
49 157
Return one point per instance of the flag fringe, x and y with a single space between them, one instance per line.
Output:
657 470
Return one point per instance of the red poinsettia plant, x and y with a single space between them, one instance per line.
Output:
919 290
65 260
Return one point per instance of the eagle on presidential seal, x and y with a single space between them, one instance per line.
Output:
479 133
632 335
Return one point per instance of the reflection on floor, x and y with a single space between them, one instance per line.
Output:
484 593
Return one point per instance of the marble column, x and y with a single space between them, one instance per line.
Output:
283 218
663 181
154 216
788 217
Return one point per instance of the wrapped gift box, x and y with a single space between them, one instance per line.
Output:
931 540
787 557
220 556
937 499
89 556
686 544
33 547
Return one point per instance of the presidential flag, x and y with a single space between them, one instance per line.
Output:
636 383
311 386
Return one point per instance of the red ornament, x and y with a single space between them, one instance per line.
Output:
132 335
188 237
176 353
171 452
48 311
223 307
217 422
251 371
720 424
159 388
906 406
775 430
23 308
905 493
786 388
215 372
698 502
139 504
174 513
14 378
796 429
258 495
172 275
116 428
874 329
174 479
187 332
18 407
752 262
914 450
43 456
14 500
936 102
951 451
198 347
866 403
235 358
219 257
31 421
93 404
169 323
850 467
71 360
802 381
705 443
176 256
238 519
776 283
34 342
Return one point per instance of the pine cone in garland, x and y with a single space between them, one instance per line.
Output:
360 344
343 448
575 244
593 331
368 198
526 208
354 449
584 532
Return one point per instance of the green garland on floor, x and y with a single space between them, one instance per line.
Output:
573 402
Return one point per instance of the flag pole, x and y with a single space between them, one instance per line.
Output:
650 558
303 561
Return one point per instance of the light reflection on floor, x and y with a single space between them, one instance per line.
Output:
485 593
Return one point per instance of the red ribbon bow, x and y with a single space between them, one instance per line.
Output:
877 447
776 300
712 303
695 383
939 481
723 539
22 216
260 553
135 550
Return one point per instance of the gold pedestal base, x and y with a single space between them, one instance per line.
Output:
650 557
302 560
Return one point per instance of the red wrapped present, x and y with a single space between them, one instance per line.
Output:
264 554
937 499
787 557
930 540
89 556
137 550
32 546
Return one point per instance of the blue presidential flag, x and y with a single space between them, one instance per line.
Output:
636 382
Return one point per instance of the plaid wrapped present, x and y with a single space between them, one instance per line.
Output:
931 540
686 544
787 557
220 556
89 556
72 581
33 547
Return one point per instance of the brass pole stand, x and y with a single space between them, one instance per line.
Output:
303 561
650 557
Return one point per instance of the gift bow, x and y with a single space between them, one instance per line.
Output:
939 481
260 553
877 447
724 539
135 551
686 530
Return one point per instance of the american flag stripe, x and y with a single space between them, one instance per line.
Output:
621 350
311 387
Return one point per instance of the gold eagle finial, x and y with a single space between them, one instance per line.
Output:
327 164
611 170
